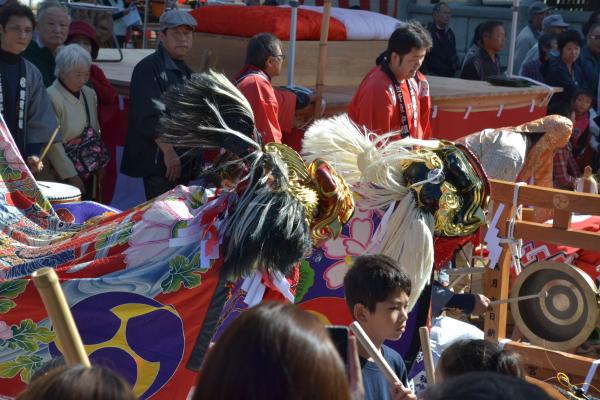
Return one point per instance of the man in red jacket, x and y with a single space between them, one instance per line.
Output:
394 96
271 108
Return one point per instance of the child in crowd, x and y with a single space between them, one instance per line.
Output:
477 355
377 293
585 129
570 161
78 383
485 386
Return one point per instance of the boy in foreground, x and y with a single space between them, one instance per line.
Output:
377 293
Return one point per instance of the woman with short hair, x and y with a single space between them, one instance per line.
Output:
75 106
563 71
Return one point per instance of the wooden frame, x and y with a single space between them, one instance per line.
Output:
540 363
347 61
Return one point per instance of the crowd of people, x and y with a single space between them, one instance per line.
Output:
53 91
547 50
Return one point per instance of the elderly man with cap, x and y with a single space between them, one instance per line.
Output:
530 34
554 24
145 156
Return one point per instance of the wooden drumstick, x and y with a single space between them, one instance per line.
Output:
517 299
47 284
427 356
368 345
47 147
321 63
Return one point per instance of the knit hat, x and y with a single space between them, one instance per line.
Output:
82 28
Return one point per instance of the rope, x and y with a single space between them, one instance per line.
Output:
577 392
515 245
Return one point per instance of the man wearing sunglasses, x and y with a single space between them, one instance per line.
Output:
273 110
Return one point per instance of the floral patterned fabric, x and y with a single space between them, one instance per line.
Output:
140 283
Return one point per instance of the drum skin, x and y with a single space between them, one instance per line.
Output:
59 193
563 319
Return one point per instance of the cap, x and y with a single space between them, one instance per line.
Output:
82 28
554 21
173 18
537 7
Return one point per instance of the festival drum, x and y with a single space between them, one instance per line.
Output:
59 193
566 316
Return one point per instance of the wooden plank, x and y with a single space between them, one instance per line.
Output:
343 68
543 364
583 203
562 219
550 390
226 54
496 286
547 234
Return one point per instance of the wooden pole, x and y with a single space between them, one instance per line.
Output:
322 57
496 282
47 284
370 348
47 147
427 356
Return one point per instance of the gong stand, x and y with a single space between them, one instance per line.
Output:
561 306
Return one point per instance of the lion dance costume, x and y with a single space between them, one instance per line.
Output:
147 286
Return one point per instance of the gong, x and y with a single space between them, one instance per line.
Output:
564 318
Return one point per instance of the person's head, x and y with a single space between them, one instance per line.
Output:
554 24
16 28
83 34
477 35
477 355
73 64
538 10
273 351
377 292
176 33
441 14
407 48
78 383
593 38
50 365
546 43
569 46
493 36
582 101
593 19
52 24
264 51
485 386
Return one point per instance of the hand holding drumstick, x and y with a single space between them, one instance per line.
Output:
398 391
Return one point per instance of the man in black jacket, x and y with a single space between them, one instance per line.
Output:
442 59
486 61
161 167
